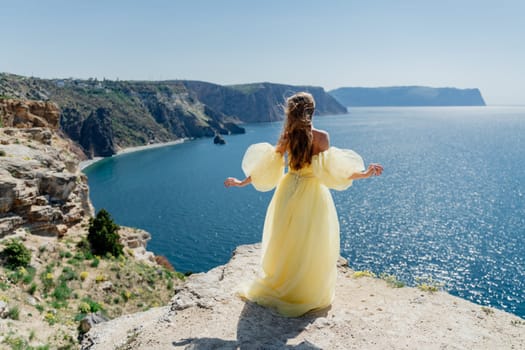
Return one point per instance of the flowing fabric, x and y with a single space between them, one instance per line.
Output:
300 243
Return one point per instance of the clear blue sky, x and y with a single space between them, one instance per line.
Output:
461 43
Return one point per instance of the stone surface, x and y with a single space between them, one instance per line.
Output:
136 240
41 186
26 114
90 320
205 313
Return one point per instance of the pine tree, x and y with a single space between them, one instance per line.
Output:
103 235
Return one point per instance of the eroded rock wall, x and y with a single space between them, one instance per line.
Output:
41 186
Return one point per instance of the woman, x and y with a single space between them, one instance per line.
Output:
300 244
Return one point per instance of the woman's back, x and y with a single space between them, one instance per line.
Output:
321 141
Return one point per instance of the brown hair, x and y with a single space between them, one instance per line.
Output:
297 135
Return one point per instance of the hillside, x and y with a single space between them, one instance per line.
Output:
51 279
259 102
105 116
407 96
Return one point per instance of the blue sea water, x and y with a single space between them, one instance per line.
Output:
449 206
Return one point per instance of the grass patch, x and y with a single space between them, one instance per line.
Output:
391 280
363 273
32 288
61 294
14 313
487 310
428 284
68 274
93 305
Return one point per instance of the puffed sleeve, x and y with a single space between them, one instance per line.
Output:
333 167
264 165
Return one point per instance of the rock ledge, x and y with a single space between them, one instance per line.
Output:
366 314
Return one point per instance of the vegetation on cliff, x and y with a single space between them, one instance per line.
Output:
103 116
52 276
45 300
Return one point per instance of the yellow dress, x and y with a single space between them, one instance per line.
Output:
300 243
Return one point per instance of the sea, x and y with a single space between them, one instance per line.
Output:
449 208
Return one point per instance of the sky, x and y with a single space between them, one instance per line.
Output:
439 43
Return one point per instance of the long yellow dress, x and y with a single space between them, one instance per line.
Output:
300 243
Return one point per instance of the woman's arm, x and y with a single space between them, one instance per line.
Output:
373 169
234 182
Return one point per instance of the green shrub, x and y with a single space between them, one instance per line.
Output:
2 152
14 313
29 275
103 235
16 254
95 262
68 274
39 307
61 293
93 305
47 279
32 288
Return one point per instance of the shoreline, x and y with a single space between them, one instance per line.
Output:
89 162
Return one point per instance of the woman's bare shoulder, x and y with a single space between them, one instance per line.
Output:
321 140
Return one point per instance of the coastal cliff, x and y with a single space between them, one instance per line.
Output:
52 285
367 313
41 187
259 102
66 291
407 96
106 116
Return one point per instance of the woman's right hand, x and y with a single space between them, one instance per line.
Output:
232 182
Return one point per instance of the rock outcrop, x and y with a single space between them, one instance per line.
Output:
41 187
26 114
205 313
96 134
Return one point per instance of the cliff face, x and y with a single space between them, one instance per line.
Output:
41 187
132 114
140 112
259 102
205 313
407 96
45 207
96 134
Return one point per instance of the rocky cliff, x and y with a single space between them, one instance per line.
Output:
367 313
58 287
259 102
407 96
103 116
41 187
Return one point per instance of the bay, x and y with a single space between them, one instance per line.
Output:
449 206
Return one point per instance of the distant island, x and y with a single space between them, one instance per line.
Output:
407 96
